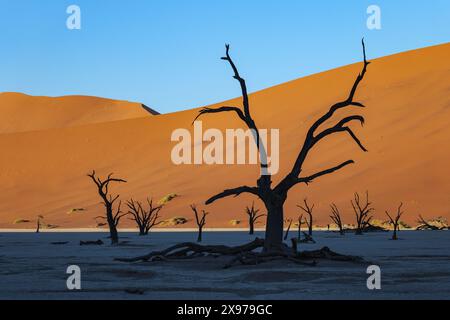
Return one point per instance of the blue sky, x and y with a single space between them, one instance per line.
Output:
165 53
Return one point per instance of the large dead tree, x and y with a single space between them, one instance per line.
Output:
309 210
395 221
253 217
362 212
200 220
145 218
336 217
113 215
274 196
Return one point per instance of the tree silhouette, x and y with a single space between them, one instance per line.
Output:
253 217
299 224
336 217
39 223
362 212
434 224
274 197
200 220
113 216
396 221
309 210
146 219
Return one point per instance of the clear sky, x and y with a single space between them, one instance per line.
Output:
165 53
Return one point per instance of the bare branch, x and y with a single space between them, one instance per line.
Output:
245 100
233 192
221 109
311 139
311 178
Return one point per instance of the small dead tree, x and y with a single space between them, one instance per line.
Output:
336 217
113 216
299 227
286 235
145 218
396 221
39 223
201 221
309 210
435 224
253 217
362 212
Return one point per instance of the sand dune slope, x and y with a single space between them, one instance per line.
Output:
20 112
407 133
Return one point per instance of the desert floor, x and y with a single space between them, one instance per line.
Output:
415 267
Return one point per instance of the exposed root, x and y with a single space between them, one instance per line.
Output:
326 253
192 250
251 258
307 238
244 255
91 243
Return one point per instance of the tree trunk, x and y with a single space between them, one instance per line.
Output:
394 237
274 228
142 231
252 227
310 230
199 239
112 226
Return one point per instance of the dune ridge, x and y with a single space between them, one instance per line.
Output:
20 112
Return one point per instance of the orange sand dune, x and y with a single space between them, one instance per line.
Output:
407 133
20 112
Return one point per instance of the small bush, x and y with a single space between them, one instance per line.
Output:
76 210
19 221
175 221
235 223
167 199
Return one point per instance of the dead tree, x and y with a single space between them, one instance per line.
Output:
39 223
336 217
309 210
427 225
299 227
145 218
113 216
253 217
362 212
274 196
396 221
286 235
201 221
